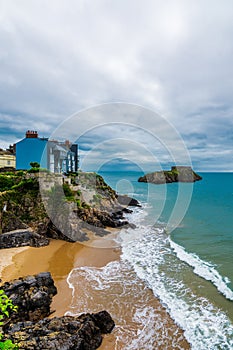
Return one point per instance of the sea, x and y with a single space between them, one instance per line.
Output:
186 263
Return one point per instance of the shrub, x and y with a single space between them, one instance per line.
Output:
6 306
7 345
26 185
35 164
33 170
6 182
20 173
67 192
78 201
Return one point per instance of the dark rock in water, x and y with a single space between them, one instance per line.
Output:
74 333
128 201
103 321
127 211
99 218
21 238
33 296
176 174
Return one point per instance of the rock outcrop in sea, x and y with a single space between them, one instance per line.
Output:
30 327
176 174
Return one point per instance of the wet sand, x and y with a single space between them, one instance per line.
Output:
6 257
60 258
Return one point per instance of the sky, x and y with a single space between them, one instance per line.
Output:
172 58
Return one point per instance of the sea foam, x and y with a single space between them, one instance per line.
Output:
203 269
116 287
160 263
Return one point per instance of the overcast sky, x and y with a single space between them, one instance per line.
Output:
172 57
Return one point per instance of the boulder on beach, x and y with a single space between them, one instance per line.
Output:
22 238
30 327
32 295
67 332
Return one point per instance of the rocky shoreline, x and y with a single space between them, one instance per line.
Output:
32 328
22 238
86 203
63 209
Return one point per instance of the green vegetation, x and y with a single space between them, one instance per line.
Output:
35 167
84 205
22 201
19 181
25 185
79 204
6 306
6 182
68 192
97 198
171 172
7 344
35 164
20 173
175 171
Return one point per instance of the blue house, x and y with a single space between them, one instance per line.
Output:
58 157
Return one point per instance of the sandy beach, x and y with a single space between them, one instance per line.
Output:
60 258
7 256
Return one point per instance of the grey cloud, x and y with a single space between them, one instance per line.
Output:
174 57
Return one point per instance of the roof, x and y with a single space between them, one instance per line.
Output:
5 152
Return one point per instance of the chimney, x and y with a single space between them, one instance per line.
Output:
31 134
67 143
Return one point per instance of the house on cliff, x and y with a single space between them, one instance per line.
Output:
7 159
56 156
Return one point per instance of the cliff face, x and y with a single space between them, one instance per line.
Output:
57 207
20 205
176 174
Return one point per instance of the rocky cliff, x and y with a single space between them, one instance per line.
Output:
176 174
54 206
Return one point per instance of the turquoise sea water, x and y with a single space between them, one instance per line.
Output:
202 242
207 227
188 268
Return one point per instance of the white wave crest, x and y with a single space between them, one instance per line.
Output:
203 269
205 326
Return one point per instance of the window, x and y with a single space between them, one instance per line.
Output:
8 162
